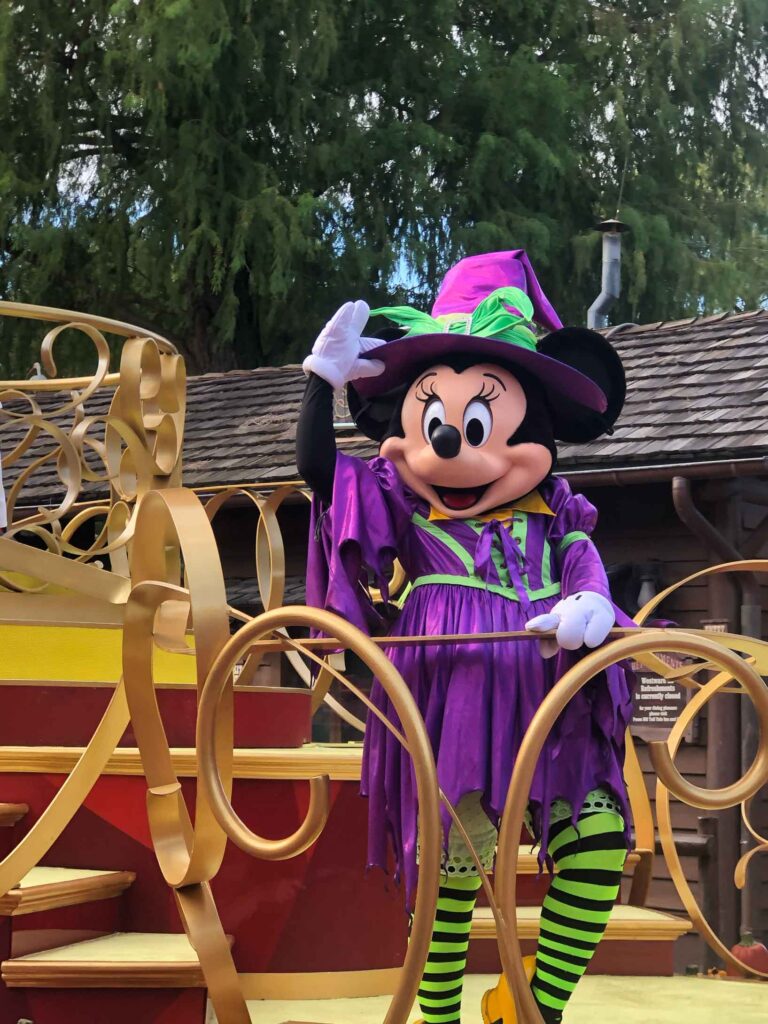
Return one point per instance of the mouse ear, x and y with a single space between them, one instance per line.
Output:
591 354
376 417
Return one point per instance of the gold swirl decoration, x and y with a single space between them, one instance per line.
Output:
151 530
131 449
756 653
190 853
170 526
270 568
413 737
630 646
29 570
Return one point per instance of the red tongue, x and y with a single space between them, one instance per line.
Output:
459 499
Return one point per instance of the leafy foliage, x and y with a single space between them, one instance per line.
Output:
230 171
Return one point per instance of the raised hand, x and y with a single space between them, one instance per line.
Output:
336 354
583 618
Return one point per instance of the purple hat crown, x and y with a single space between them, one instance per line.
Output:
473 279
493 295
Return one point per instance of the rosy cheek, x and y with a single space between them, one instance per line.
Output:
530 458
395 449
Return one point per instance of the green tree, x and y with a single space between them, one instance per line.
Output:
229 171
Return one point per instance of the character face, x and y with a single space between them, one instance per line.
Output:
455 452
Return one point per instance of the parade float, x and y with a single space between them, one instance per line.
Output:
173 838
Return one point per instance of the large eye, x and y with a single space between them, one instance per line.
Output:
478 422
434 417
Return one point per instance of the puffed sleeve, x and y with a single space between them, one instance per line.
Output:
356 534
579 563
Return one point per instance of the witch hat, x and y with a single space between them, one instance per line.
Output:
486 308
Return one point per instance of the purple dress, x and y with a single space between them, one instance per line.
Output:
469 576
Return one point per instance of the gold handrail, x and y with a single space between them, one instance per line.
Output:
173 523
152 528
31 311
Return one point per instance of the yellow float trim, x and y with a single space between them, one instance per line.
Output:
78 654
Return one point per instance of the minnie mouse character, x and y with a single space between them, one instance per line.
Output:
466 405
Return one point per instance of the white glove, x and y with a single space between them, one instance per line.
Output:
336 353
583 618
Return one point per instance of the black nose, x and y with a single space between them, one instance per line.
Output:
446 441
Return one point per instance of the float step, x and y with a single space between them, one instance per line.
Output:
625 924
637 941
46 888
122 960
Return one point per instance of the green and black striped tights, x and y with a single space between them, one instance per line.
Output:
574 915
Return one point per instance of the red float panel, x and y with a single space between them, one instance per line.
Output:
64 715
110 1006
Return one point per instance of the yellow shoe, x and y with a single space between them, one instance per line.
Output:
498 1006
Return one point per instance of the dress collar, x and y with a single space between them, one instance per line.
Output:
531 502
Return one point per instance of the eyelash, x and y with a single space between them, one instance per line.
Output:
487 396
423 395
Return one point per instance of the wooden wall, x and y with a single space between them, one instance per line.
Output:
639 524
752 515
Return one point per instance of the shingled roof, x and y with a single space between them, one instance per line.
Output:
697 392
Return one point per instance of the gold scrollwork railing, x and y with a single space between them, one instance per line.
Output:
172 527
755 653
645 640
60 443
269 633
131 449
413 737
158 612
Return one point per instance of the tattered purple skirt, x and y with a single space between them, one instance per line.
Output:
477 701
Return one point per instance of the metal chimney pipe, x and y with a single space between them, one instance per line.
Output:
597 315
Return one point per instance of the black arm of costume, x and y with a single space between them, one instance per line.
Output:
315 439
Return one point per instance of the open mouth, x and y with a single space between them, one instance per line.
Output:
459 498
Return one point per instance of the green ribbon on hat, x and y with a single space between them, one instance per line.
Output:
491 319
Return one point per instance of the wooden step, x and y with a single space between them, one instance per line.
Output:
11 813
122 960
625 924
50 888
